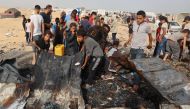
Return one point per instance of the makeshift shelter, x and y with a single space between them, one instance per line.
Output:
11 13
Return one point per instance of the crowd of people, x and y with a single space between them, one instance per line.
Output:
169 44
89 33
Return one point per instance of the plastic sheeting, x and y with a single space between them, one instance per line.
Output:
10 74
57 80
173 85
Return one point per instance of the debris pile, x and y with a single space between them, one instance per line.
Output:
54 83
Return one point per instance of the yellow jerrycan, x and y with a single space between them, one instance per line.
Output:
59 50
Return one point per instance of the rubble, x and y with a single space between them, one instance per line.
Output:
54 83
173 85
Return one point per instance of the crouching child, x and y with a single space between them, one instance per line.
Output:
93 56
42 44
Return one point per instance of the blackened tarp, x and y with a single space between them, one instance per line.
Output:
9 73
58 72
173 85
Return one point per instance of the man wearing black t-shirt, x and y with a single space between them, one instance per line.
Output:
47 17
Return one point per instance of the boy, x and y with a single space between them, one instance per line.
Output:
42 44
70 40
93 56
28 31
158 38
37 27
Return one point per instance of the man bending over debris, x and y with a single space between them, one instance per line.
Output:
42 44
93 56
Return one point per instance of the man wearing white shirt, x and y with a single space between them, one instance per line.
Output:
37 29
138 38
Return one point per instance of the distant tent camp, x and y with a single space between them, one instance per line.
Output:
10 13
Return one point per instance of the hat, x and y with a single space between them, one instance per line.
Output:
37 7
186 18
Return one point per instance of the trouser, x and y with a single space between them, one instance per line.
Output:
156 48
161 47
27 37
114 37
173 48
137 53
89 73
92 69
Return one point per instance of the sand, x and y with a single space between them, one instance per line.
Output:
12 35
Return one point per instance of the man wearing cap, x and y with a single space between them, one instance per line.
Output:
47 17
37 27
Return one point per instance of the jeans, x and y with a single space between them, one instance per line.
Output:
36 38
156 48
114 37
27 37
92 69
161 47
137 53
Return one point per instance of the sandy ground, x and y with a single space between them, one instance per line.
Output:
12 35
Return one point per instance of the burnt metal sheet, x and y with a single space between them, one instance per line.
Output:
173 85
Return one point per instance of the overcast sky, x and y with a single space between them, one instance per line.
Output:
171 6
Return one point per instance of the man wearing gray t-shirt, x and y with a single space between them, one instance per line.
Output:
93 56
138 38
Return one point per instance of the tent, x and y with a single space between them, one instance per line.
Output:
10 13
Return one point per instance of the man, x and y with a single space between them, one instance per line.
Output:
93 56
37 28
47 17
85 23
43 43
92 18
72 20
28 31
68 17
164 35
24 21
138 38
70 38
114 28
